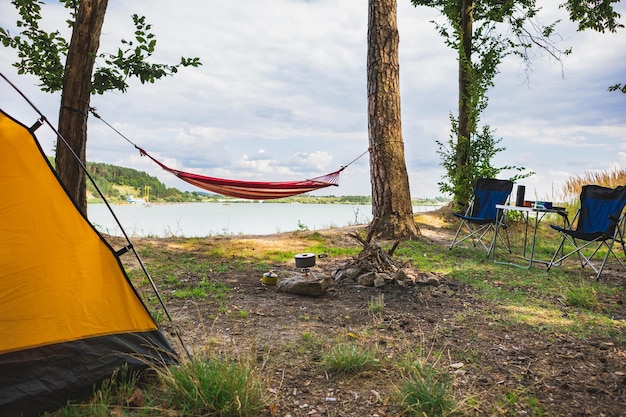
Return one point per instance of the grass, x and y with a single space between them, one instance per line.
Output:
426 391
213 386
561 301
376 303
534 296
113 391
350 359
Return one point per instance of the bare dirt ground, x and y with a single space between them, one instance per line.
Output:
499 368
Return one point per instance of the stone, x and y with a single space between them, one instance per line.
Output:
352 273
349 273
382 279
379 282
340 275
311 285
406 275
367 279
429 281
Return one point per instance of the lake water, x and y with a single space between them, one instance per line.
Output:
210 219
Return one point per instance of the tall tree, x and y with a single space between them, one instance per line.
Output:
41 53
391 196
464 127
472 29
75 98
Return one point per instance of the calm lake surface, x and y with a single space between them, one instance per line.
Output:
211 219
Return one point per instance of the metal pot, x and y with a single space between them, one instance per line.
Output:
305 260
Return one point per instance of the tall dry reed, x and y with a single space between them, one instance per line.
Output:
611 179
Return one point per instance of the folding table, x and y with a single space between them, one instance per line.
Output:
532 218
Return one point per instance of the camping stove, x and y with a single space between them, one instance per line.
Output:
304 262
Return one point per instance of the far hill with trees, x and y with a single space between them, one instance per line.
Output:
119 184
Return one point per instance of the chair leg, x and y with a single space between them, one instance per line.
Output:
481 240
458 231
507 243
476 235
556 253
608 253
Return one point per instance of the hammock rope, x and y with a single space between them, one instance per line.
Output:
252 190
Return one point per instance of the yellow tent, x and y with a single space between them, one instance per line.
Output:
69 316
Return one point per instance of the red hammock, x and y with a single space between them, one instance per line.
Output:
253 190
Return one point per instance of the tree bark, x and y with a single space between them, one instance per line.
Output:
464 128
75 99
391 197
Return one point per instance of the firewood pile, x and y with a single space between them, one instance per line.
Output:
375 267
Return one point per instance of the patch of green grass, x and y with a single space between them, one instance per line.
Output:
350 359
193 292
311 343
425 390
304 317
582 295
376 303
203 289
213 386
533 296
278 256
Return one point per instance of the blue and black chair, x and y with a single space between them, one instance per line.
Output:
479 222
599 223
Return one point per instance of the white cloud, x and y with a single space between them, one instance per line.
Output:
282 95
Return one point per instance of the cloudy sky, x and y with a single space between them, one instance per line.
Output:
281 95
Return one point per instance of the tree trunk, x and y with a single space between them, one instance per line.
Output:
464 128
391 197
76 96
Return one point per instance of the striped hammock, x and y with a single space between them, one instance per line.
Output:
253 190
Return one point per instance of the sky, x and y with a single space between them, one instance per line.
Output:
282 95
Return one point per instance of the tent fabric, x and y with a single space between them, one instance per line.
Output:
253 190
69 315
41 379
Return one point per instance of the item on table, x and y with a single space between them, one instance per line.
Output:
542 205
521 191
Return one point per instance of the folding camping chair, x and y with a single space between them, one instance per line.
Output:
482 216
599 223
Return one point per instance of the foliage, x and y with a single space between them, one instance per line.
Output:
460 181
43 53
618 87
467 156
215 386
597 15
39 52
581 294
349 359
425 390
